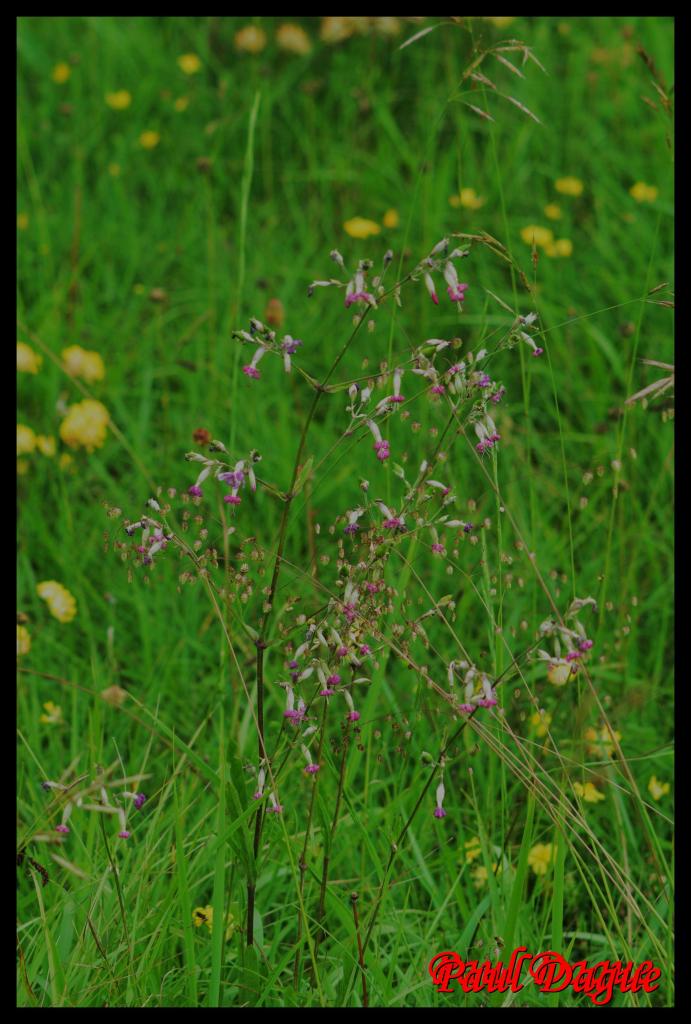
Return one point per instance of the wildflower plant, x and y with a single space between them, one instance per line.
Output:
351 628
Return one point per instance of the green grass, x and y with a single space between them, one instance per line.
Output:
294 146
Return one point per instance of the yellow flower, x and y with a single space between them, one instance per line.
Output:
569 186
119 100
61 604
501 22
22 221
657 789
189 63
391 219
540 857
588 792
26 439
28 361
541 721
561 247
335 30
360 227
46 445
65 460
250 39
23 640
80 362
149 140
181 103
293 39
203 915
559 672
85 425
472 849
643 193
114 170
61 72
534 233
601 744
53 714
467 198
552 211
470 199
387 26
479 876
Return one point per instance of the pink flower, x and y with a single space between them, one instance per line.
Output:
439 811
392 524
251 371
360 297
312 769
124 834
195 491
62 828
429 285
353 716
232 499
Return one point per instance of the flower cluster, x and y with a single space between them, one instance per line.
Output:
94 797
241 473
521 329
23 640
487 434
274 806
61 604
569 645
265 340
85 425
154 536
359 289
478 688
28 361
80 362
440 260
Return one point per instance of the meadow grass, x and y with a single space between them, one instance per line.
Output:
152 257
